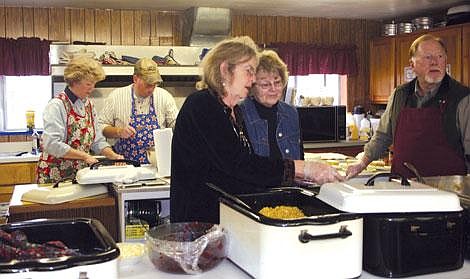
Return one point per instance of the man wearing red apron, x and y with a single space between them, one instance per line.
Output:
427 119
134 111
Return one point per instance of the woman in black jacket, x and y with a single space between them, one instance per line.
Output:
209 142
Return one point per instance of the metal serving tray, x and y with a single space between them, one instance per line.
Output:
458 184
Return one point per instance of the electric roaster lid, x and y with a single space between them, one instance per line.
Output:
102 172
316 212
86 240
395 194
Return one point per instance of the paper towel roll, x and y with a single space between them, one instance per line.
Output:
162 138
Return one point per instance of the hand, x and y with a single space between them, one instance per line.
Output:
320 172
118 157
114 156
355 169
127 132
90 160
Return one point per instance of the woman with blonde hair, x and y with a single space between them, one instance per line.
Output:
210 144
272 125
70 126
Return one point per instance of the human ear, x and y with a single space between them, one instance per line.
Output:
412 62
224 69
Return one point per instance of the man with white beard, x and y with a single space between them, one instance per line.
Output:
427 119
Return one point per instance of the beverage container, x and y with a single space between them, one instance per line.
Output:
358 114
365 131
30 120
353 132
35 142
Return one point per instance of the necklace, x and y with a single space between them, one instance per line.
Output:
237 123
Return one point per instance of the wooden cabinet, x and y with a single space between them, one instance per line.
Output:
402 45
13 174
456 38
382 69
452 37
17 173
466 55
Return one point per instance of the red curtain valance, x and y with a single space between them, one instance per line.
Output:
24 57
305 59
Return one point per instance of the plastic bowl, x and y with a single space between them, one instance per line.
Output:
190 248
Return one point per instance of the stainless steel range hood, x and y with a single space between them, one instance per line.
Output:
204 26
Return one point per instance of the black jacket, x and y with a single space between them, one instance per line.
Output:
205 148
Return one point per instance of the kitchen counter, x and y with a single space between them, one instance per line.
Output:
349 148
9 150
339 146
12 158
341 143
228 270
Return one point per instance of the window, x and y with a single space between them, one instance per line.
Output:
319 89
20 94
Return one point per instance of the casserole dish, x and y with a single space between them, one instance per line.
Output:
94 251
459 185
408 226
309 247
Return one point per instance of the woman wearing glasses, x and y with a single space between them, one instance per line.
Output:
272 125
209 142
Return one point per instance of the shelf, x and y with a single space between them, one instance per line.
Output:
128 70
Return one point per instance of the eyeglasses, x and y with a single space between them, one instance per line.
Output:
267 84
430 57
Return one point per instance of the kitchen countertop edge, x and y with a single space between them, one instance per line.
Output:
342 143
19 159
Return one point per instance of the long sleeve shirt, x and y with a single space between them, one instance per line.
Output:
206 148
55 126
384 135
117 111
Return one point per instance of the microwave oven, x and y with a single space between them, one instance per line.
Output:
322 123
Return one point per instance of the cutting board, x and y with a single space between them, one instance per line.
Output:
65 192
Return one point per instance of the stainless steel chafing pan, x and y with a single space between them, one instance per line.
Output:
458 184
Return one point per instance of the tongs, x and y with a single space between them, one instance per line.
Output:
413 169
231 197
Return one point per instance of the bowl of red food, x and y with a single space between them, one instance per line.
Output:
190 247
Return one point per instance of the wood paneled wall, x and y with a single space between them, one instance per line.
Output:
116 27
269 29
153 27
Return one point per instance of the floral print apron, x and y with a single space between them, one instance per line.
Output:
135 148
80 135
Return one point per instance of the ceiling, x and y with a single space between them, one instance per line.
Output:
352 9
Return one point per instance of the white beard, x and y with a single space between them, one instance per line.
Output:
432 80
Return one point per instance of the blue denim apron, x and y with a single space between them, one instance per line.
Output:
135 148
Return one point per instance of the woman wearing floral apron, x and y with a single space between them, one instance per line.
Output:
70 129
